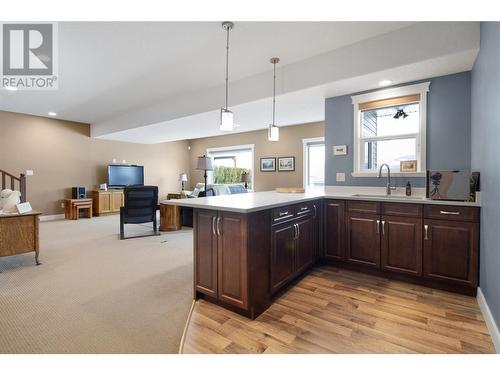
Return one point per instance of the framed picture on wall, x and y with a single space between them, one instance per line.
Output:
408 166
286 164
268 164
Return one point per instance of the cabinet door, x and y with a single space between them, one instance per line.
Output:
334 230
282 254
304 244
363 239
117 201
402 244
232 259
104 202
451 251
205 252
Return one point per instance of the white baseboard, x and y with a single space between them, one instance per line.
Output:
51 217
490 321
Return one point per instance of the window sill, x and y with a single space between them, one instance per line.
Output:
393 174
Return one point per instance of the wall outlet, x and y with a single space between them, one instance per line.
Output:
62 204
29 172
340 177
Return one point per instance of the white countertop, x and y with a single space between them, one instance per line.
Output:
251 202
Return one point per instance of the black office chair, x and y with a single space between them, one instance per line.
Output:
209 193
141 203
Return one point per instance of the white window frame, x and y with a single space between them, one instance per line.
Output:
305 156
421 144
210 179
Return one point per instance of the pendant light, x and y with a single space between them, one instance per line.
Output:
226 116
273 133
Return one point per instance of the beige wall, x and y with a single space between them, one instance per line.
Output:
290 144
63 155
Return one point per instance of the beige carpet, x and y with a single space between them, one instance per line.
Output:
96 294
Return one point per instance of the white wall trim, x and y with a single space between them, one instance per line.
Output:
419 88
490 321
232 148
393 174
305 156
51 217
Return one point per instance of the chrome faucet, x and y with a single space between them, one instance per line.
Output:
388 186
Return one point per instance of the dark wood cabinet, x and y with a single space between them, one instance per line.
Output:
363 239
401 249
304 244
451 251
229 267
292 245
232 258
205 255
334 230
242 259
282 254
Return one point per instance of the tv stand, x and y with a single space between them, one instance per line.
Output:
106 202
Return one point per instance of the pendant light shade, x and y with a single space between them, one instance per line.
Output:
273 133
226 116
226 120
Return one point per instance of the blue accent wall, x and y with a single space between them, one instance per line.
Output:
485 157
448 131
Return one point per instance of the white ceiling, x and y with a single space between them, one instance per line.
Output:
153 82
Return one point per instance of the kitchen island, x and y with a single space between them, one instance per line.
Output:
249 247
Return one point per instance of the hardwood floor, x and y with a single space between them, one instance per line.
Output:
337 311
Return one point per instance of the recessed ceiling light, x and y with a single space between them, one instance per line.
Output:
385 82
11 88
52 114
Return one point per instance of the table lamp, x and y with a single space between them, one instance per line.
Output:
204 164
245 178
183 177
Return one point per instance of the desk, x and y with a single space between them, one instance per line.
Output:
74 206
19 234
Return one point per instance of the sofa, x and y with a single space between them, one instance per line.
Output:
220 189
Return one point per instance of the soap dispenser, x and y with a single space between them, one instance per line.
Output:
408 189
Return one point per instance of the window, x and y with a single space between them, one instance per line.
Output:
389 127
314 161
230 163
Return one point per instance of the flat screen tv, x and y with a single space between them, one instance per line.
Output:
120 176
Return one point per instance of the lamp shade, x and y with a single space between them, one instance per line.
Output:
183 177
204 163
245 177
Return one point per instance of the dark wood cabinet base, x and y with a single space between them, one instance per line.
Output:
430 283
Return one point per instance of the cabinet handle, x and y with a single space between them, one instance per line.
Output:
213 225
298 231
378 226
218 226
449 212
315 211
283 213
426 230
383 227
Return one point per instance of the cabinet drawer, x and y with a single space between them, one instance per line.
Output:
282 213
402 209
303 209
457 213
363 207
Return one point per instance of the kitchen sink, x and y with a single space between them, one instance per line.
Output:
384 196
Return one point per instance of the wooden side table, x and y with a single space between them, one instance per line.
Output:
170 216
74 206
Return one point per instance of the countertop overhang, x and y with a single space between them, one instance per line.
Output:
252 202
